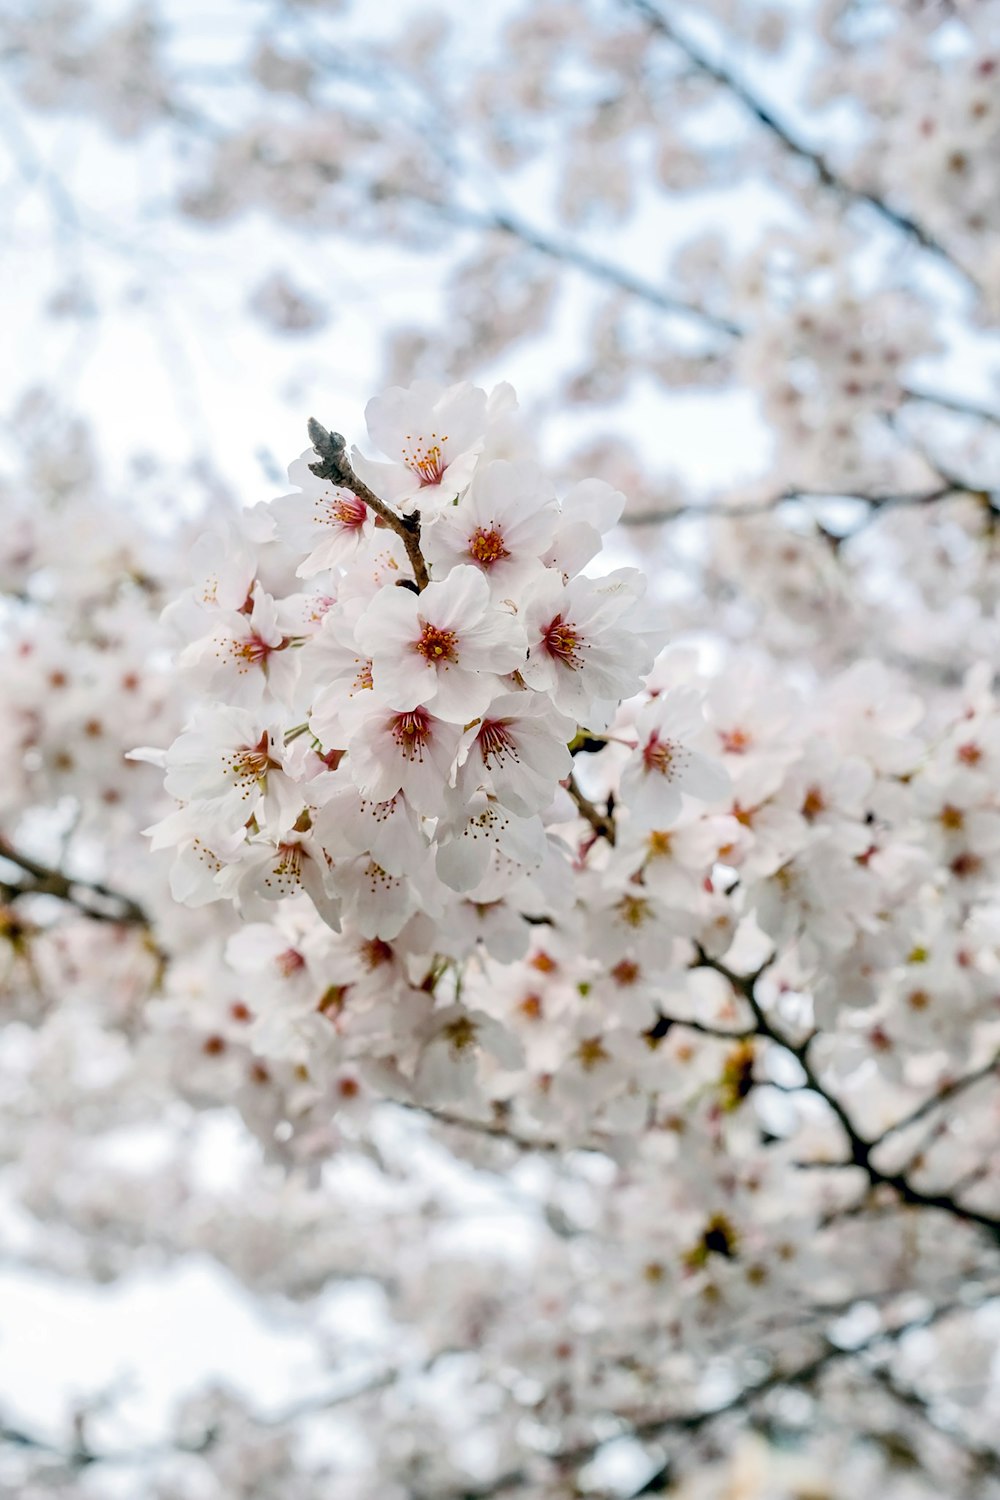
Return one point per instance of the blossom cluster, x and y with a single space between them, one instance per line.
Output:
391 693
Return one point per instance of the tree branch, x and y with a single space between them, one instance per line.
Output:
336 466
88 896
781 132
860 1149
603 824
949 1091
728 511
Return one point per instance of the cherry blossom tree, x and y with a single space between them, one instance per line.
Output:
554 846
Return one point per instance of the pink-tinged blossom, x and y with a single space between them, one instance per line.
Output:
669 760
200 856
519 751
432 434
447 647
376 902
288 864
449 1063
581 652
325 522
469 840
231 765
502 526
404 750
391 830
247 652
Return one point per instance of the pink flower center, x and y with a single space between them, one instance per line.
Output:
412 731
251 762
253 650
426 459
496 741
437 645
561 640
486 546
349 511
374 953
290 962
659 755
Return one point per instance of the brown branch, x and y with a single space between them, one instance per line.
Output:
860 1149
949 1091
727 511
336 466
90 897
603 824
781 132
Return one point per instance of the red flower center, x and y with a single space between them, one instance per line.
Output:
561 640
496 742
349 511
426 459
658 755
412 731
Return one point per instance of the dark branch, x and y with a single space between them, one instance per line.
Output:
860 1150
781 132
336 466
88 896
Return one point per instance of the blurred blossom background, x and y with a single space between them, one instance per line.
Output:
741 260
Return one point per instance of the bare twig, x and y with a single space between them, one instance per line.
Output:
860 1150
603 824
726 510
336 466
949 1091
783 133
89 896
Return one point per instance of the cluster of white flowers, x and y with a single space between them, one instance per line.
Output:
622 1021
392 693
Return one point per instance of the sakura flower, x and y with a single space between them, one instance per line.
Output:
449 1062
291 862
231 764
587 511
390 830
446 647
327 523
668 761
432 434
579 646
377 903
520 751
199 857
247 652
468 841
409 751
502 526
223 563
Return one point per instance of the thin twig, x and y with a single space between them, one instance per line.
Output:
783 133
336 466
603 824
956 1086
724 509
89 896
860 1149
